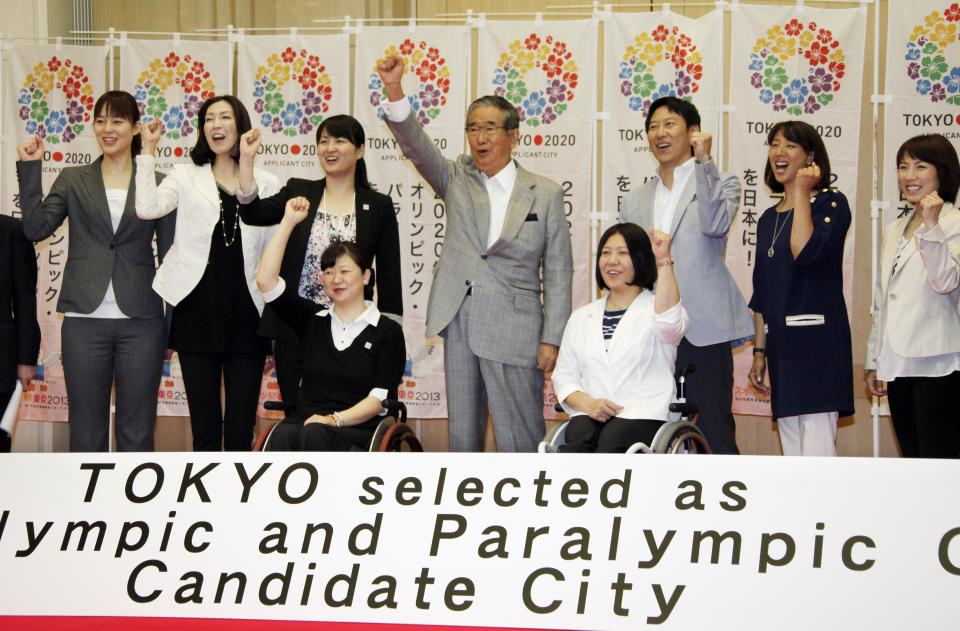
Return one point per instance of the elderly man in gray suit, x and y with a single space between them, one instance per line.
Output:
695 204
504 224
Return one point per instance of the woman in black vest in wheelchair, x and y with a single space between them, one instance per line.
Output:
614 374
353 357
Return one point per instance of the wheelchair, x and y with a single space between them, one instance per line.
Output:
681 436
391 435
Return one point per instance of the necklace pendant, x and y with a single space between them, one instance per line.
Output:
770 252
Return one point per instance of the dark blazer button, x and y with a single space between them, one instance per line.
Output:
111 246
483 256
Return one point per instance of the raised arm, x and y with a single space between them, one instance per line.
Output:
41 217
152 201
940 251
670 318
249 145
718 196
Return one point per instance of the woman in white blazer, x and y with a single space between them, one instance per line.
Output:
914 344
209 274
614 374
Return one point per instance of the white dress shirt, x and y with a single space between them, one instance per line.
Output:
636 371
665 200
499 186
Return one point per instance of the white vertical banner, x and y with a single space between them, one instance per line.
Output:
436 78
49 91
290 84
547 70
648 56
790 62
923 79
170 79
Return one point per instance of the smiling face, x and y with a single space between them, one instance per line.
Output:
491 150
114 133
786 158
669 138
615 264
338 156
220 128
344 281
916 178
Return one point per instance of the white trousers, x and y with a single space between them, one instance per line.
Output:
809 434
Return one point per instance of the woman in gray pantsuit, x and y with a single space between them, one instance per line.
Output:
113 329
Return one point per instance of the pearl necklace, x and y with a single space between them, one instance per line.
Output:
223 222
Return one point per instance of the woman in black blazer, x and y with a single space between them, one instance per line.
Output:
342 207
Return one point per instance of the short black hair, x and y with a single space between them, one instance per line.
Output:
685 109
511 118
122 105
347 127
805 135
348 248
201 153
936 150
641 254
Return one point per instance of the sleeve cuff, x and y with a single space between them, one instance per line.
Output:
671 315
247 197
396 111
276 292
379 394
146 161
935 234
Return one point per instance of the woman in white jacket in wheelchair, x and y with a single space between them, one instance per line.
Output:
615 372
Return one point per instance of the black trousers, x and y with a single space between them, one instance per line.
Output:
925 415
711 389
289 362
292 435
5 441
229 427
614 436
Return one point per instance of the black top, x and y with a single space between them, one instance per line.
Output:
809 359
219 315
336 380
377 236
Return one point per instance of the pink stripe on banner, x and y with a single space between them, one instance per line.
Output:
103 623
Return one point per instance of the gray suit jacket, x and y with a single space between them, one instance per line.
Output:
507 321
95 255
703 216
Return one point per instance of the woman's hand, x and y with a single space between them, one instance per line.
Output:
249 145
660 242
757 372
151 133
876 387
31 150
296 210
324 419
806 180
929 209
601 409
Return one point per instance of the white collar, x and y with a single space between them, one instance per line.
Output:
680 173
505 177
371 315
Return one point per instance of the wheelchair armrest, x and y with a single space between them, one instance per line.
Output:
281 406
684 409
396 409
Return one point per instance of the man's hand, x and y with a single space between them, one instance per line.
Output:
547 357
390 70
701 142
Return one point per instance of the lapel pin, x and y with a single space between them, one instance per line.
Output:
367 346
366 206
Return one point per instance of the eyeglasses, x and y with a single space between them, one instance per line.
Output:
488 129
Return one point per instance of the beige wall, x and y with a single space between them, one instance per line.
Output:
755 435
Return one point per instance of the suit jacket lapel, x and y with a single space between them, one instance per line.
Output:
520 205
207 185
93 183
363 213
481 204
129 206
686 198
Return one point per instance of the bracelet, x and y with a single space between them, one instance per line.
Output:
758 350
339 419
665 262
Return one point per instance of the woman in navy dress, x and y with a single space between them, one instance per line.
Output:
802 330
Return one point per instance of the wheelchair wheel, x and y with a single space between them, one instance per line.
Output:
680 437
399 437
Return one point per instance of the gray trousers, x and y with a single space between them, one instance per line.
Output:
99 351
515 394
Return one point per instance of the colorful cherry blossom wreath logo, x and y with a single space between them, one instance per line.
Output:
292 118
153 83
807 94
432 72
543 105
662 44
56 126
926 52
